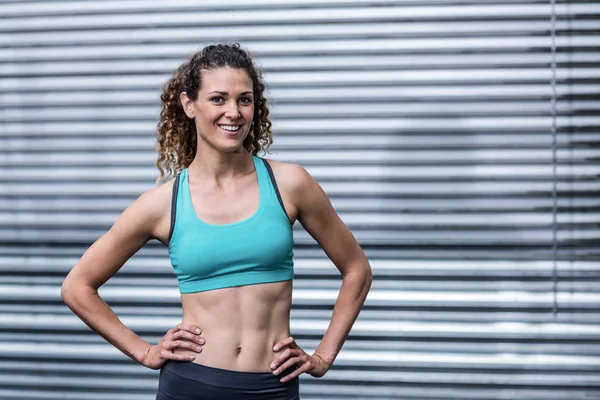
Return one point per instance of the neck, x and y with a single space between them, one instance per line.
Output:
218 167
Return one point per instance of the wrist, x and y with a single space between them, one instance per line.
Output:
143 355
326 361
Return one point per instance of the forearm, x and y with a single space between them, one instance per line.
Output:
95 313
351 298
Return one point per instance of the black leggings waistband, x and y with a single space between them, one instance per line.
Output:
179 380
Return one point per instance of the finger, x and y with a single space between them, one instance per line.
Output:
189 328
296 373
192 337
174 329
285 342
178 357
182 344
284 356
287 364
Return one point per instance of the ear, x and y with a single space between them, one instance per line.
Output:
186 103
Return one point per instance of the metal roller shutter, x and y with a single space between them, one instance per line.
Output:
428 123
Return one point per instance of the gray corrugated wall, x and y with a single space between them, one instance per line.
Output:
428 124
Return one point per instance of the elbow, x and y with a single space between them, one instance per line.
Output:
369 278
363 280
362 272
66 291
366 271
70 289
367 274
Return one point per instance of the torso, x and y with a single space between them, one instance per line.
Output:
241 324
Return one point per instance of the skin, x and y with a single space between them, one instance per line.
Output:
244 328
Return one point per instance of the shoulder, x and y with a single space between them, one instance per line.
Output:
156 198
290 177
298 185
154 208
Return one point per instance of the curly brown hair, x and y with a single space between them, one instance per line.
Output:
176 142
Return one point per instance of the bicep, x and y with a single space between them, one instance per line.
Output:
321 221
107 255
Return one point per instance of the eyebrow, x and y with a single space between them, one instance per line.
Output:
225 93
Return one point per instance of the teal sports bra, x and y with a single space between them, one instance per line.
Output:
255 250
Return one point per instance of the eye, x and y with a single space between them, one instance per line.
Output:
246 100
217 99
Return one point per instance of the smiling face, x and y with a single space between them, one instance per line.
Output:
224 108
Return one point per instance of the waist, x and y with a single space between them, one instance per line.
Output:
240 325
246 350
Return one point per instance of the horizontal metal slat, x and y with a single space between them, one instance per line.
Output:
324 15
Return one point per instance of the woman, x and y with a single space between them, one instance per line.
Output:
227 220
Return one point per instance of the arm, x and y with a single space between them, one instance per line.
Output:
100 262
318 217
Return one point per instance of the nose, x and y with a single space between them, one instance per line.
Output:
233 112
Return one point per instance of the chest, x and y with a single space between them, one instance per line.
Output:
220 206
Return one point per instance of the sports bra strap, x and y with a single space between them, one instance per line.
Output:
174 204
272 177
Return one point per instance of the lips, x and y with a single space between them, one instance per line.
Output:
230 128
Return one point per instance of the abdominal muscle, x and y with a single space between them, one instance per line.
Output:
240 325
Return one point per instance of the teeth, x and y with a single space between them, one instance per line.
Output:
232 128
